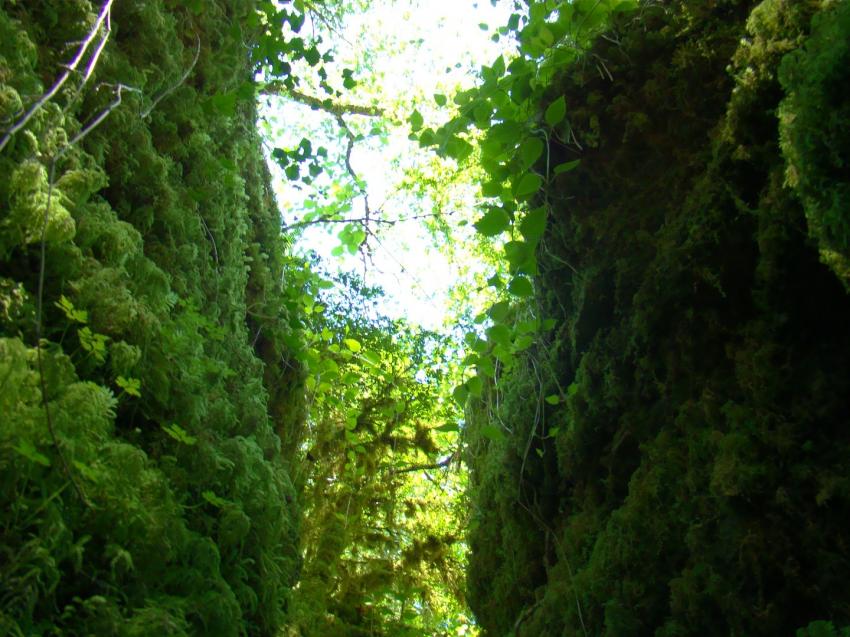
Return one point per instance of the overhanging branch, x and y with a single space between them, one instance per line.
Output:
329 106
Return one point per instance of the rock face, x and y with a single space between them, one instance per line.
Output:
694 478
154 498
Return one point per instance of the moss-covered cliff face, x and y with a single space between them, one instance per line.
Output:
167 508
694 480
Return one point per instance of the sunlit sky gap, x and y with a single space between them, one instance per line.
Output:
412 49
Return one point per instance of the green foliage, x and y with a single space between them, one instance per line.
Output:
668 459
146 460
514 122
815 130
382 543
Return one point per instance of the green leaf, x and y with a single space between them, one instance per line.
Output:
566 166
458 149
213 499
556 112
492 188
499 311
371 358
475 386
517 253
553 399
440 99
527 185
460 394
494 222
416 121
492 432
130 386
521 286
530 151
499 333
179 434
73 314
499 67
352 344
28 451
448 428
533 225
523 342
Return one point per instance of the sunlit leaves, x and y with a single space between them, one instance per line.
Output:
353 345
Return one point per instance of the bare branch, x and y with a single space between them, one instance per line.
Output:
170 89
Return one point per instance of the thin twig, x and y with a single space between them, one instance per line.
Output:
171 89
118 88
210 235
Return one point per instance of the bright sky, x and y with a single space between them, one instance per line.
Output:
402 52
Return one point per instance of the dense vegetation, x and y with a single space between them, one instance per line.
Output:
204 433
689 475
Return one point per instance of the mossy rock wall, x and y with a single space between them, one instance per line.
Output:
694 479
163 244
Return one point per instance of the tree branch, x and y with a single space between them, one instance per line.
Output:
329 106
424 467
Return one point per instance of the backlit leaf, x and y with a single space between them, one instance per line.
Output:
494 222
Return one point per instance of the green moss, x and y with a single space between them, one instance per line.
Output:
694 482
815 127
163 266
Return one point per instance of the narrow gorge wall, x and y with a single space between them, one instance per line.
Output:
163 505
694 478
